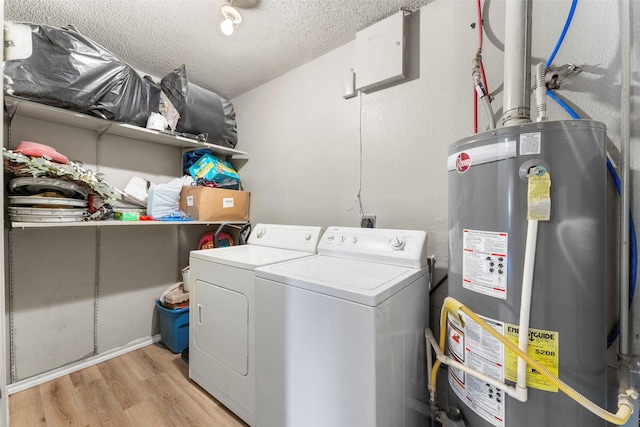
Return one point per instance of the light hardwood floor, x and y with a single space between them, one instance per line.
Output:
147 387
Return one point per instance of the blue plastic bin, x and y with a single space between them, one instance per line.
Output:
174 327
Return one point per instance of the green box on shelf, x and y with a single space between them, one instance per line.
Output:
126 215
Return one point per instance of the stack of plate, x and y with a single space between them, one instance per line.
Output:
46 200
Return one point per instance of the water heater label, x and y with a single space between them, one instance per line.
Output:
543 348
484 262
529 143
477 348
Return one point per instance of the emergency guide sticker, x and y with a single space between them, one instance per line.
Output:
477 348
484 262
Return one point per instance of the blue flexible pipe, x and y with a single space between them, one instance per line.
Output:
564 33
563 104
615 331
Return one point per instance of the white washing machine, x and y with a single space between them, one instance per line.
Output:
340 335
222 310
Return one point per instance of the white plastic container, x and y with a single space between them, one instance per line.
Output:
185 279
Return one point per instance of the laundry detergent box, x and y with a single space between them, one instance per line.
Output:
214 204
210 168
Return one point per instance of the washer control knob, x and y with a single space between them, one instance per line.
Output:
260 233
343 238
354 239
397 243
307 237
330 237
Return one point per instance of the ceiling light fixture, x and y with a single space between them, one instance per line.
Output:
232 19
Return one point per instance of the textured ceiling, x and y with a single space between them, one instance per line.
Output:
157 36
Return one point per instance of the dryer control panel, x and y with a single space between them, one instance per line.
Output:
407 248
293 237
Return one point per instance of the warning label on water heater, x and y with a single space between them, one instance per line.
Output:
473 346
484 262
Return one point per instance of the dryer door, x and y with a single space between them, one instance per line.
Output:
222 325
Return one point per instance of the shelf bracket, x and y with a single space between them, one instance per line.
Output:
104 130
12 346
12 110
96 293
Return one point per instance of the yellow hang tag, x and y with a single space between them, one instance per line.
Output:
539 195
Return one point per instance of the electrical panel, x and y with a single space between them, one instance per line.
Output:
380 53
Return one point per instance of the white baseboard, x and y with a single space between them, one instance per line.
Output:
80 364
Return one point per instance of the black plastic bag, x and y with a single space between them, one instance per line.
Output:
68 70
201 111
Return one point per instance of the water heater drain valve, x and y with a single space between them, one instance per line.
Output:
451 417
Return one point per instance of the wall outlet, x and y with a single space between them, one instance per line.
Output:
368 221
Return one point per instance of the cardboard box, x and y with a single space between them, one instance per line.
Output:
214 204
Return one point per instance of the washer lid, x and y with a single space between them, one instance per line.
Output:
363 282
247 257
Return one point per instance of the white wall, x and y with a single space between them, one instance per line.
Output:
304 139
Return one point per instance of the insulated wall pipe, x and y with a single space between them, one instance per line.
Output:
625 154
624 374
517 62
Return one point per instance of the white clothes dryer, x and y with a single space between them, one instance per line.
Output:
339 335
222 310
